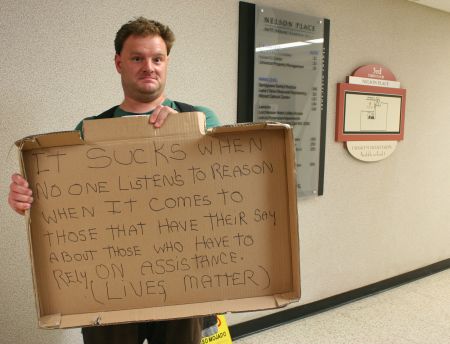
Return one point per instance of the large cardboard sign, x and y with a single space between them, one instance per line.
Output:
133 223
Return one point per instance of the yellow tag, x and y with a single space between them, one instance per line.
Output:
222 336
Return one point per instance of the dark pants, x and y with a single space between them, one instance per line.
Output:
186 331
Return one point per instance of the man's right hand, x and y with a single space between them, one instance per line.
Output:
20 195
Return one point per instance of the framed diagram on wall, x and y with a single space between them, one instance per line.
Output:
369 113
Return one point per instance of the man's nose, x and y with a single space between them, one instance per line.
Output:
148 65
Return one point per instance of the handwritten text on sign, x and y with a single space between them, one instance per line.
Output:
159 221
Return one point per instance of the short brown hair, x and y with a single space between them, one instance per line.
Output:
143 27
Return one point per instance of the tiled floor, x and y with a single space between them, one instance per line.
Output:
415 313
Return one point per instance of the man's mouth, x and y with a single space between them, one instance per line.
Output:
148 78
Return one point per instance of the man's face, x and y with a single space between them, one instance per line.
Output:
142 65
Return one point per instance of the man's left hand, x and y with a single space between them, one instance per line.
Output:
159 115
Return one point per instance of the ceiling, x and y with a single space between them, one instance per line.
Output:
443 5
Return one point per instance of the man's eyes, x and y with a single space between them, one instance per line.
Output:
140 59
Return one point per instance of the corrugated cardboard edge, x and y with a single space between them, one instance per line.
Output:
55 139
291 171
20 145
137 127
248 126
161 313
101 130
50 321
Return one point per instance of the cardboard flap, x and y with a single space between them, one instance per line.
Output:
283 300
58 139
50 321
247 127
135 127
168 312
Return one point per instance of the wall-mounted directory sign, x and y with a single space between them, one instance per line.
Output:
282 77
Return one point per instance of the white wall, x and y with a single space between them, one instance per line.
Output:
374 221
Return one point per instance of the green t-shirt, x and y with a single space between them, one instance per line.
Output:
211 118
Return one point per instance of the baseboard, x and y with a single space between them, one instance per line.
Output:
260 324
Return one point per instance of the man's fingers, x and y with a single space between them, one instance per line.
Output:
18 207
21 207
154 115
159 115
17 197
20 195
19 180
19 189
20 200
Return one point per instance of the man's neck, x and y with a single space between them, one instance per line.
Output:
132 105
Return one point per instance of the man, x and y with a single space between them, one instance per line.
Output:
142 57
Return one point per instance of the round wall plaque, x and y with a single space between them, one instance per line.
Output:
371 151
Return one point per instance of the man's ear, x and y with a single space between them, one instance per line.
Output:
118 63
